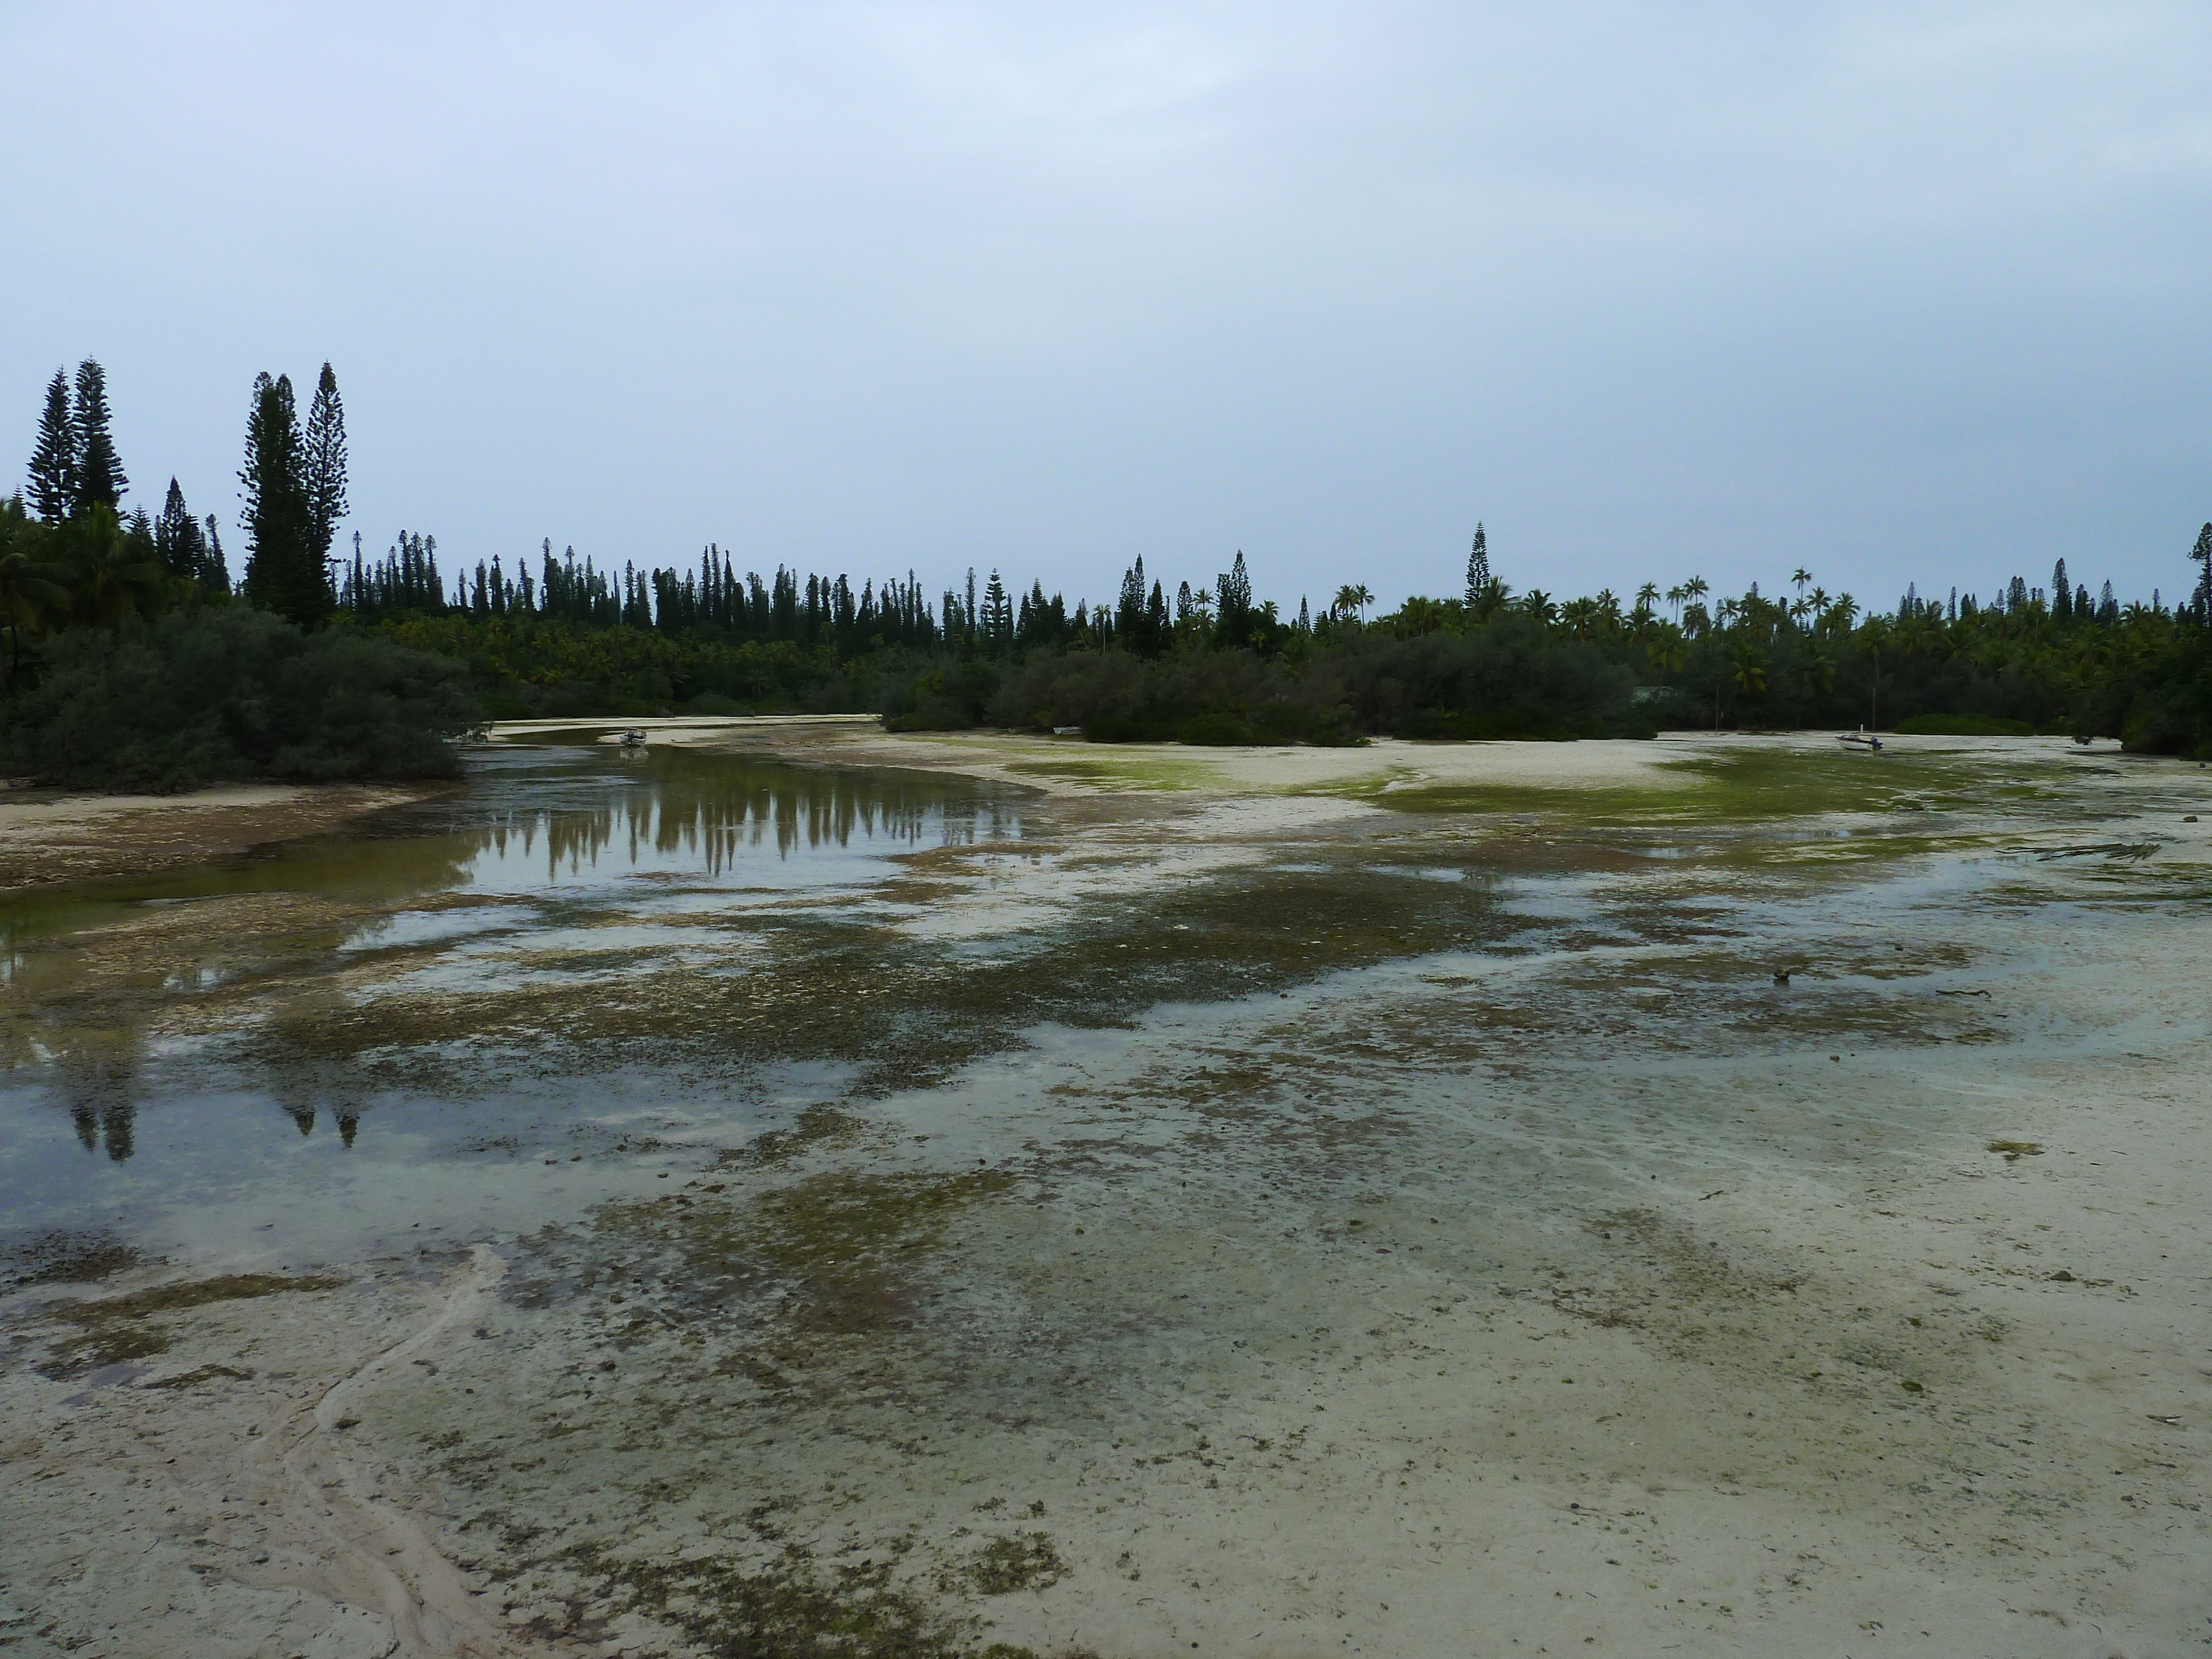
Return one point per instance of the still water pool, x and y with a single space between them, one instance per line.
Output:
196 1060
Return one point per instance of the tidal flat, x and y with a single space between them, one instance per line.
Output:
797 1190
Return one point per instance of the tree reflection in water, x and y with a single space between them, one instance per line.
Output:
534 822
96 1078
704 812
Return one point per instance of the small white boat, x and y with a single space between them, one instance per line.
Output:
1862 739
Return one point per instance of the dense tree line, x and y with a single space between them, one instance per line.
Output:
557 635
145 670
1489 662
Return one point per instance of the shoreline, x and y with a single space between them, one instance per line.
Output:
51 838
56 837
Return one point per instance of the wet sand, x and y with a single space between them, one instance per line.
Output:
48 835
1255 1211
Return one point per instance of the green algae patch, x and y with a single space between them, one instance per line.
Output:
842 1217
1149 772
73 1258
118 1329
818 1126
845 1247
1754 786
1027 1560
787 1609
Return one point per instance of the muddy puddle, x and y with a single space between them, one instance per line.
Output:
699 1204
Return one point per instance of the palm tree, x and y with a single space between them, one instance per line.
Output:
113 576
1799 577
1353 600
1820 670
1871 641
1750 670
1646 594
1417 616
1488 601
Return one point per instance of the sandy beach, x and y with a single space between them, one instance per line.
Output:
1710 1195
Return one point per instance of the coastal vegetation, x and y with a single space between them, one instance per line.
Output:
133 657
133 663
1211 666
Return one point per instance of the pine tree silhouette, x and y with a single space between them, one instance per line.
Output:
284 569
1478 565
53 461
325 463
99 480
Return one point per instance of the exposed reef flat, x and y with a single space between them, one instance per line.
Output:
1732 1196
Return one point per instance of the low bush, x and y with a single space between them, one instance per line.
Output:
1963 725
1215 698
943 700
1507 679
231 693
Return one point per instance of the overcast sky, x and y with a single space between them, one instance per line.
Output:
1920 291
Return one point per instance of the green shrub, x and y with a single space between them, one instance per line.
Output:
1963 725
1216 698
944 699
232 693
1507 679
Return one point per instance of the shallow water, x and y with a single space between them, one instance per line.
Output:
556 863
1130 1223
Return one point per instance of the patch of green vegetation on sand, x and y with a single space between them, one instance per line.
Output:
1140 768
1748 787
847 1244
118 1329
789 1609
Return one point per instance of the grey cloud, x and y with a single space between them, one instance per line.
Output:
1903 293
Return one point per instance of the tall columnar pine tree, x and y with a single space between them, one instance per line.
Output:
2062 593
1129 610
178 537
99 480
1478 565
216 573
325 463
998 616
1233 604
53 461
284 569
2202 554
